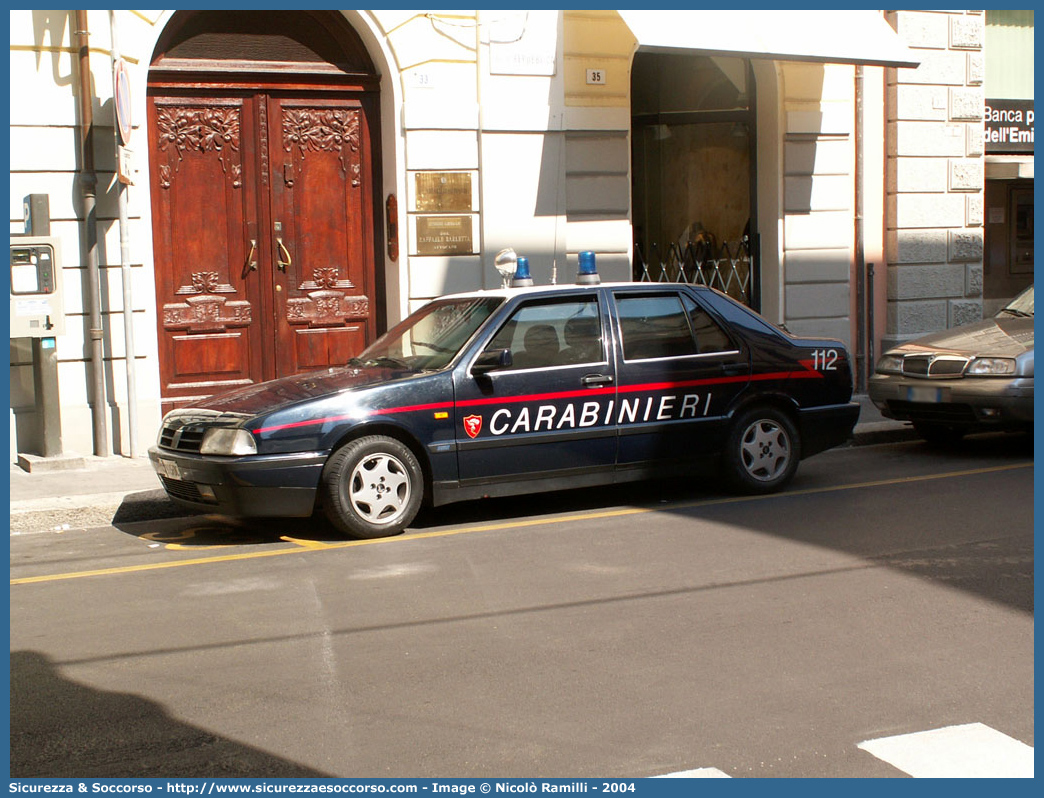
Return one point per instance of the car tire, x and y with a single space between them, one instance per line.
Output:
762 451
372 487
938 434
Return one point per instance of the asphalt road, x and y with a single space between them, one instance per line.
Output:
632 632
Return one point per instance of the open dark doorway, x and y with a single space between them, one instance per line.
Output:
693 172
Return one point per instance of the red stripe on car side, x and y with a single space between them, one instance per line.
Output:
537 397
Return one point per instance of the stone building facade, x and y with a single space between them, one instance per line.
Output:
855 138
935 175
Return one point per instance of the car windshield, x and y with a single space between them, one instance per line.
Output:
1022 305
430 338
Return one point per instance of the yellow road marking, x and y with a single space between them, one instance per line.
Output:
304 543
303 546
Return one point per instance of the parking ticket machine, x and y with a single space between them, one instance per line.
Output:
37 307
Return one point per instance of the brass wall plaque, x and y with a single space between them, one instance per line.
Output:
447 192
444 235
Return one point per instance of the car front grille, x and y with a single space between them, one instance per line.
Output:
937 366
179 438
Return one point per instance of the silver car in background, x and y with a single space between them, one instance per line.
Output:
975 378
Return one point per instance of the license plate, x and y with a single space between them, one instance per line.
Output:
169 469
923 394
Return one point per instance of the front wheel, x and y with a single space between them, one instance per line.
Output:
762 451
372 487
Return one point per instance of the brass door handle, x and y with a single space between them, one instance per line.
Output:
282 252
281 249
250 265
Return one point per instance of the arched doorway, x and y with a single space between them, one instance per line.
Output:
263 137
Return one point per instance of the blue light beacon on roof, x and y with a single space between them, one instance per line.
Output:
522 277
587 273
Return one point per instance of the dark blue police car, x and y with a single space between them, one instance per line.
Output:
515 391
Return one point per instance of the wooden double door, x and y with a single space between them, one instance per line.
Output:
264 233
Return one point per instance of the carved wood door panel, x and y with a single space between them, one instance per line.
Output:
263 236
322 230
204 212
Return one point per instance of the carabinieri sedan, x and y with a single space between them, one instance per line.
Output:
513 391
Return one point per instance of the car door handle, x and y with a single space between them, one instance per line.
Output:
594 380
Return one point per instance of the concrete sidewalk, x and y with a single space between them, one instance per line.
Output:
99 490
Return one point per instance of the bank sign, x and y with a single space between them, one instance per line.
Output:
1009 126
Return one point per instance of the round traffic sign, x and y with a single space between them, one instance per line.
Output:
123 101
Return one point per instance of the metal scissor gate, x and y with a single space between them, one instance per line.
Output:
730 267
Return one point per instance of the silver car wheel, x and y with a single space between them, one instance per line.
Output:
379 489
765 450
372 487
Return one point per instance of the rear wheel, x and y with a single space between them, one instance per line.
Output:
372 487
762 451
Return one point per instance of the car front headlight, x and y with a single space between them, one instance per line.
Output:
890 364
228 441
991 367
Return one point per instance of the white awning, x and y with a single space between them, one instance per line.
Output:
834 36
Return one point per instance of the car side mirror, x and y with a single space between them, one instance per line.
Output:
492 360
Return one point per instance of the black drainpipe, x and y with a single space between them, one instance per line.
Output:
89 181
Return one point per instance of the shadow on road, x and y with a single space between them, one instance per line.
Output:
693 497
103 734
147 505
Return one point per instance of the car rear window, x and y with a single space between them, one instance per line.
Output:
654 326
710 337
